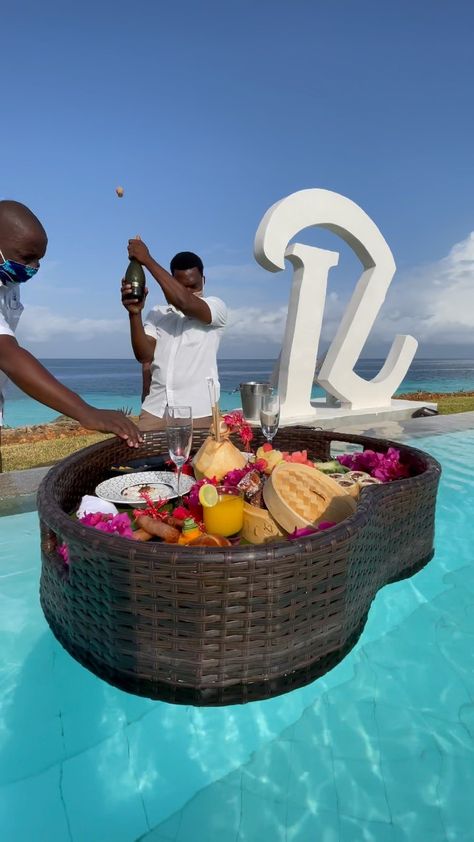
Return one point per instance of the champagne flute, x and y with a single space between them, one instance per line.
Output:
179 435
270 414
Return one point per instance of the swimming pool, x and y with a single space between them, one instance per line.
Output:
380 749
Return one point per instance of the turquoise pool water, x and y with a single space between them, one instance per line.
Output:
379 750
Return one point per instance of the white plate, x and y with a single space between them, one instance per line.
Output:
164 484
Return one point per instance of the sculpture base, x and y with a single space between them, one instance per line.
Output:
333 417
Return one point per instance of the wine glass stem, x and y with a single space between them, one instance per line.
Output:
179 477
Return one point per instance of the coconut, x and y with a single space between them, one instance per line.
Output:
217 458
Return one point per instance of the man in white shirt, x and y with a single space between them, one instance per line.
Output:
180 339
23 243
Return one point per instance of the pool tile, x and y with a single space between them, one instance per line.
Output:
233 779
417 676
269 771
357 830
402 732
86 717
303 825
353 729
412 787
32 810
103 710
169 768
30 750
360 790
102 796
169 827
260 819
422 824
311 783
457 648
214 813
312 728
455 791
31 739
388 610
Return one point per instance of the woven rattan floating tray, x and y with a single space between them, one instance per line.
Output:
209 626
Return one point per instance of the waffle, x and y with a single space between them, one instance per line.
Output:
299 496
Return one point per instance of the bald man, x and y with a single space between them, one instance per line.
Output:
23 243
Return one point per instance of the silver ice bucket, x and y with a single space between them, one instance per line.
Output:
251 397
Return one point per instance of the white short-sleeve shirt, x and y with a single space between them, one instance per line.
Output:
185 354
11 309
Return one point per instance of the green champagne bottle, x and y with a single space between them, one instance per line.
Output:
135 276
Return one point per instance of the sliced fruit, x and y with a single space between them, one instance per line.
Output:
332 467
298 457
272 457
208 540
208 496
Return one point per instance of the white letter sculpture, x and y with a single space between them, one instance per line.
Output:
303 326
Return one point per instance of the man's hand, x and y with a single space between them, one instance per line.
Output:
132 305
138 251
110 421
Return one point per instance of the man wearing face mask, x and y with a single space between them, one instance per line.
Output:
179 340
23 243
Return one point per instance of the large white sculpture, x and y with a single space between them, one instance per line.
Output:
338 214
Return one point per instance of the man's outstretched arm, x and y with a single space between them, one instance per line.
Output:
36 381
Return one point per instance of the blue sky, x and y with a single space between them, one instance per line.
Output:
207 113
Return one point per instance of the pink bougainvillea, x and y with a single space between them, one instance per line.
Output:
383 466
310 530
113 524
237 423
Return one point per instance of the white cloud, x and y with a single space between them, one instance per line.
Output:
39 324
256 324
434 303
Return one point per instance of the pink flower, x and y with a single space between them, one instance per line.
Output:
192 500
302 533
383 466
310 530
232 478
237 423
113 524
234 419
63 551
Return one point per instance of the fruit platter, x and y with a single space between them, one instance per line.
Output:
248 576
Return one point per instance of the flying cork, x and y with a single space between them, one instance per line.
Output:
119 191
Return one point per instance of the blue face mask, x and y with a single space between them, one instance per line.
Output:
10 270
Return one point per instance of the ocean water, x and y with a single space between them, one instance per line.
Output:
115 384
378 750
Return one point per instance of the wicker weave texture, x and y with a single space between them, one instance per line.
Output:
217 626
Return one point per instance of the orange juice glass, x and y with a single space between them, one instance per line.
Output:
227 516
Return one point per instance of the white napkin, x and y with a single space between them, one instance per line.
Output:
90 505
